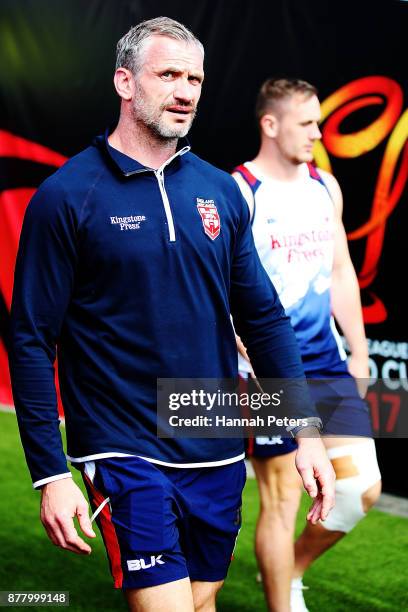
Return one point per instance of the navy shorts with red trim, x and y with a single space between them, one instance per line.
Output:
163 524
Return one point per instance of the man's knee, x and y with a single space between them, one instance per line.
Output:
282 497
170 596
204 595
279 484
358 484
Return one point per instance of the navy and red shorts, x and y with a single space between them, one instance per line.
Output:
163 523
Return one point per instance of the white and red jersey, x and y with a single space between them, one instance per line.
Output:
293 228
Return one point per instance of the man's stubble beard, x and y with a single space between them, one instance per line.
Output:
153 118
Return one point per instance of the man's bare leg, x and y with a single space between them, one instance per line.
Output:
313 542
176 596
279 490
204 595
316 539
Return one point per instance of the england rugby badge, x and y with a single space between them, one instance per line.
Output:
210 217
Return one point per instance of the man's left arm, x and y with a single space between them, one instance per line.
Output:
345 292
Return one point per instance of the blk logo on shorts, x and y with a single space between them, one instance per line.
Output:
210 217
134 565
261 440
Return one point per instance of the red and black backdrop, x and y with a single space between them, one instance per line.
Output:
56 93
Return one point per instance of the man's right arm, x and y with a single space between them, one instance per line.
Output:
43 284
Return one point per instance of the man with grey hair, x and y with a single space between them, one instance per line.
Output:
130 54
130 46
132 257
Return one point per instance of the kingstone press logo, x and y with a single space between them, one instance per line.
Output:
128 223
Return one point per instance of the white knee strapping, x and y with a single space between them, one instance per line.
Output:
349 506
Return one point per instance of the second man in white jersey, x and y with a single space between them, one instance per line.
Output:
297 224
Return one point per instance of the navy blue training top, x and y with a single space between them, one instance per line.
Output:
132 275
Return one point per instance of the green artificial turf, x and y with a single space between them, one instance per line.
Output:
367 571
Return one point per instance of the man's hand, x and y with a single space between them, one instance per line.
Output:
317 473
61 500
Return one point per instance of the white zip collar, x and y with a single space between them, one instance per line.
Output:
159 173
178 153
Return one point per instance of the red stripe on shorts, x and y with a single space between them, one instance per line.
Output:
109 534
243 388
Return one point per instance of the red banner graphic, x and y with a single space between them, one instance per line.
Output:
13 203
393 172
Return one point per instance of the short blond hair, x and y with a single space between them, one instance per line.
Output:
274 91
